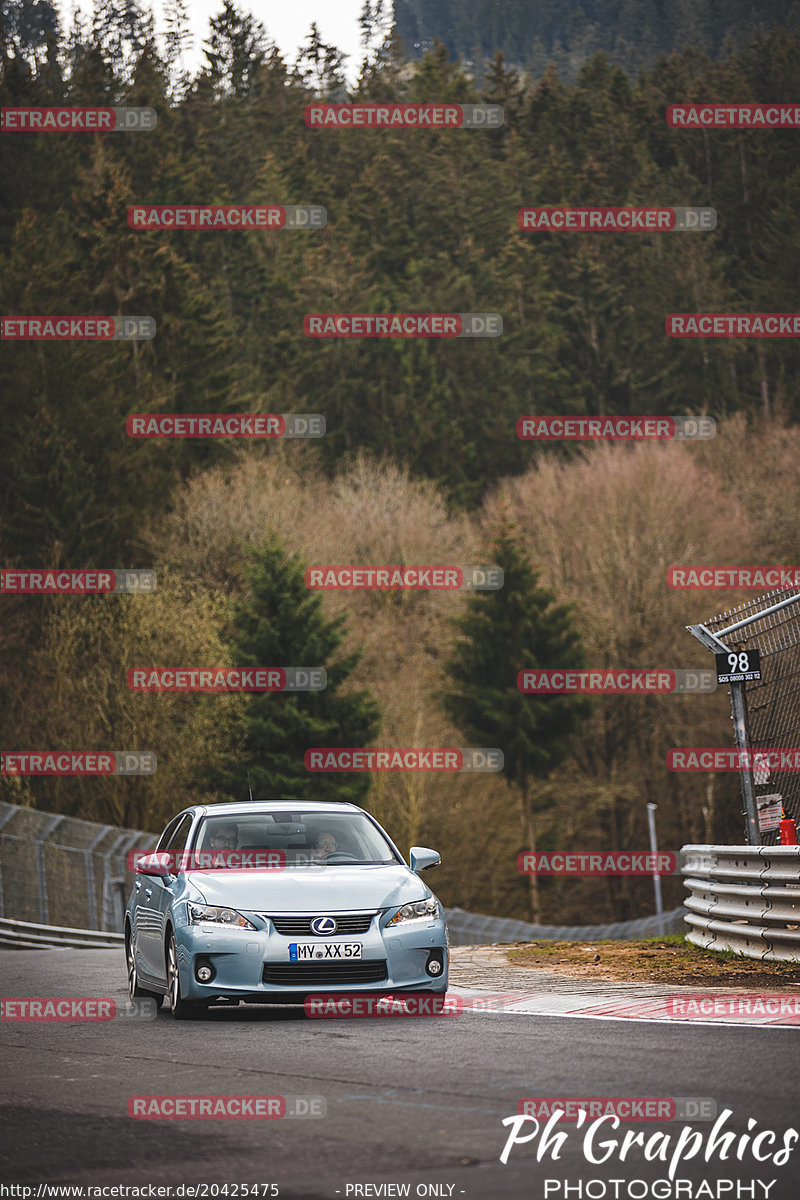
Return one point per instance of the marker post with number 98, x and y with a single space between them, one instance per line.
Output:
738 666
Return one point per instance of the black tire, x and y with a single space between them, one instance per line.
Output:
180 1008
135 989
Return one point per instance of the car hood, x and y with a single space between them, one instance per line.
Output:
309 889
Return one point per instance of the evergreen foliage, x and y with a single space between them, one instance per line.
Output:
282 624
520 626
417 221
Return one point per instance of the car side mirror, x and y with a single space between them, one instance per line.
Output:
422 859
157 863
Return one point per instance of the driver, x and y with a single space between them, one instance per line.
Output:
324 845
224 837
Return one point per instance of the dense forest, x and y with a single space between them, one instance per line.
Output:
532 34
420 462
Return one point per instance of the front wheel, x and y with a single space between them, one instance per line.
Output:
135 989
180 1008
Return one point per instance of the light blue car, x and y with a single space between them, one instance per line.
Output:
337 909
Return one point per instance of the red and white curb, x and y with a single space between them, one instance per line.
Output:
555 995
611 1008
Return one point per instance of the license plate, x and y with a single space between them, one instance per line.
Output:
300 951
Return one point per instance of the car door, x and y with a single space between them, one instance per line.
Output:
154 896
142 908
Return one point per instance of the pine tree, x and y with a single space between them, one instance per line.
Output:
236 48
319 65
282 624
503 633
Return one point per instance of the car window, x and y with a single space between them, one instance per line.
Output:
299 836
163 841
179 837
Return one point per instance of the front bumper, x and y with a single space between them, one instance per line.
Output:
254 964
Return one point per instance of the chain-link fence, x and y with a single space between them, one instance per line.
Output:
57 870
770 709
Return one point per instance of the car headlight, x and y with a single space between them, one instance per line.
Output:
420 910
206 914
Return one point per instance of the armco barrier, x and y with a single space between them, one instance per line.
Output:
62 871
74 874
744 898
473 929
23 935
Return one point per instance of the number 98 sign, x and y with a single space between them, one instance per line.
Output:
738 666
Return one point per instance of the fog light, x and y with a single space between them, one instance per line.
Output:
435 963
204 972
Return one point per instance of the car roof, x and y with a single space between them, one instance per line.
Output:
240 808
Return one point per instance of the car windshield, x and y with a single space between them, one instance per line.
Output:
306 838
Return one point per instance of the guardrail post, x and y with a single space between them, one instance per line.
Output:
741 728
12 808
109 888
41 869
651 821
91 899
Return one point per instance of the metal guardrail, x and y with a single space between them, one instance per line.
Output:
742 898
474 929
745 899
24 935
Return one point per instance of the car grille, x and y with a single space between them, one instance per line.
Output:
301 926
303 974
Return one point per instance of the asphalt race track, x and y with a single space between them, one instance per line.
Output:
409 1102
